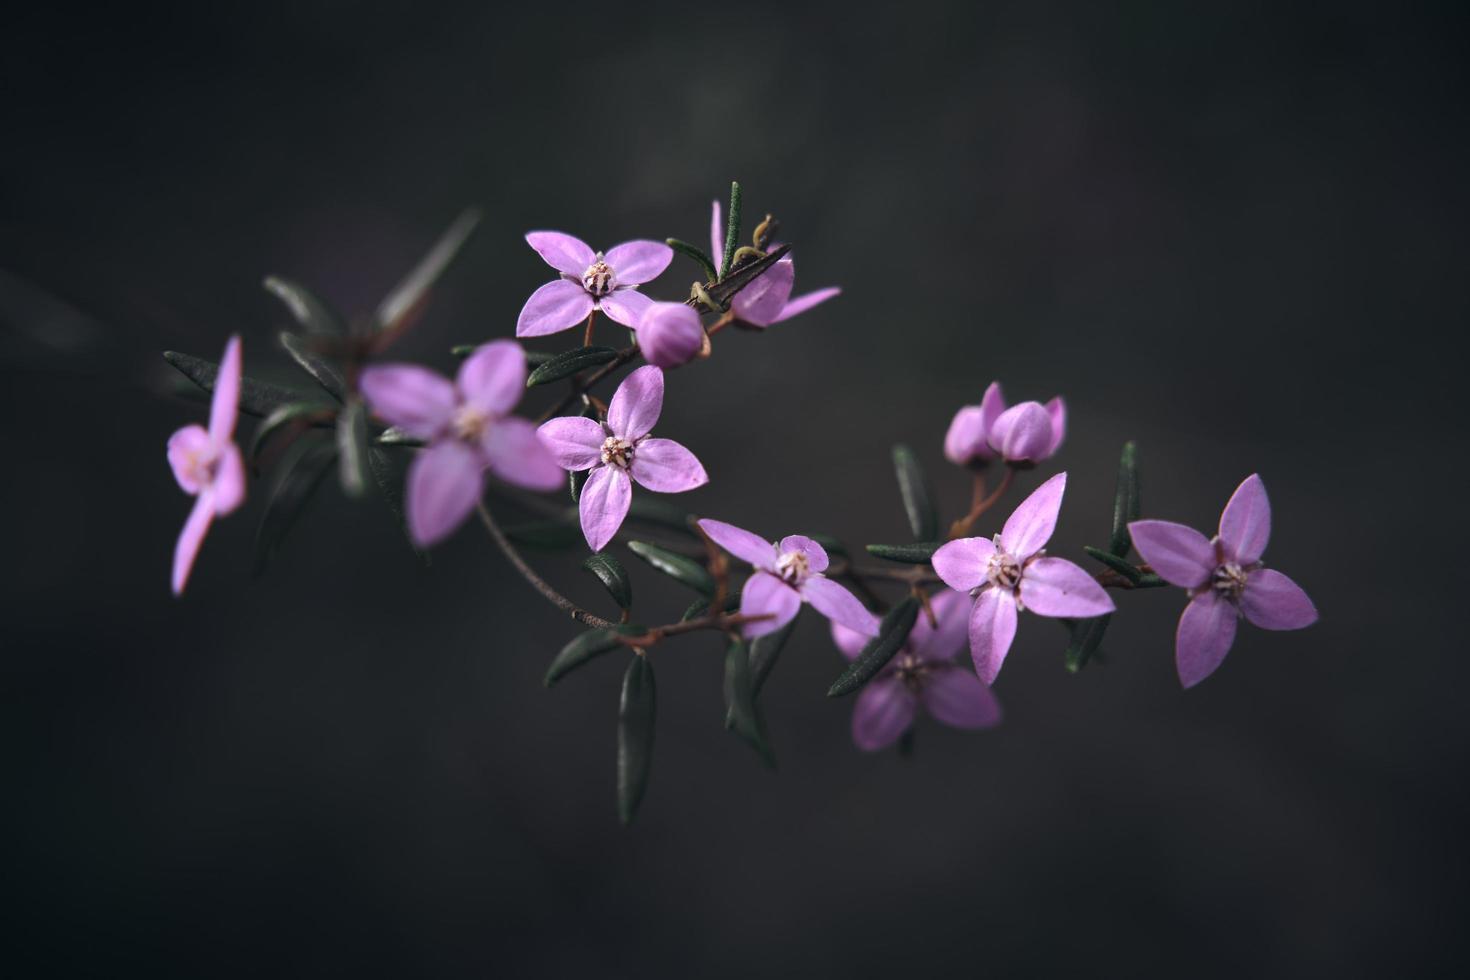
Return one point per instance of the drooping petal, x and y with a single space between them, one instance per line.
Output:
1056 587
639 261
760 303
670 334
444 482
743 544
941 643
800 304
838 604
1022 433
636 405
1181 555
883 712
556 306
229 480
963 563
765 594
992 404
992 628
626 306
665 466
1274 602
417 400
493 378
965 439
1205 633
1057 410
716 234
573 441
224 405
1245 524
564 253
190 538
816 555
604 503
190 451
1030 525
955 696
517 455
849 641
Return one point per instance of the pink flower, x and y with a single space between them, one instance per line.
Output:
1026 433
468 426
1225 579
767 300
786 575
620 451
670 334
922 673
208 465
590 281
1012 573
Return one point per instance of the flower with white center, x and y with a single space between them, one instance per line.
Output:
590 281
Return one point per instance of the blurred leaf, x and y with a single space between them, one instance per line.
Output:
764 650
389 477
697 254
636 714
314 314
323 371
1125 502
740 711
568 363
892 633
587 646
1087 636
352 447
257 398
1117 564
918 502
684 570
410 294
575 479
301 473
906 744
913 554
732 229
699 607
609 572
829 544
548 535
292 412
660 513
394 436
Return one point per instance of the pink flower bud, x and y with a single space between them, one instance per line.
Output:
670 334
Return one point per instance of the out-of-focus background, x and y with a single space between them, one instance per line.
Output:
1233 234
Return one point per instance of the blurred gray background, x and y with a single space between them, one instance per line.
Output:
1232 233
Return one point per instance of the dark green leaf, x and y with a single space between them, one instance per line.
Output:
1151 580
1125 502
1087 636
732 229
352 447
575 479
764 650
587 646
697 254
413 290
548 535
740 710
394 436
568 363
660 513
257 398
303 413
1117 564
684 570
636 714
321 370
918 502
314 314
892 633
699 607
722 291
609 572
301 473
388 476
913 554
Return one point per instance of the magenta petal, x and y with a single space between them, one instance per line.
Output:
573 441
626 306
1030 525
955 696
1181 555
883 712
963 563
992 404
638 261
564 253
801 304
965 440
760 303
941 643
1245 525
190 538
604 503
556 306
228 487
1274 602
743 544
839 605
636 405
516 455
493 378
849 641
665 466
415 399
816 555
765 594
1205 633
1058 588
1022 433
670 334
1057 410
992 628
187 449
444 483
224 406
716 235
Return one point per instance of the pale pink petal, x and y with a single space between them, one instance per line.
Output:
224 406
573 441
743 544
190 538
816 555
1206 631
962 563
559 305
665 466
716 235
516 455
1057 410
669 334
1245 525
626 306
765 594
444 483
992 628
966 438
1022 433
1181 555
415 399
992 404
1274 602
1030 525
604 503
760 303
838 604
190 451
636 405
1056 587
564 253
883 712
229 480
849 641
955 696
801 304
638 261
493 378
952 613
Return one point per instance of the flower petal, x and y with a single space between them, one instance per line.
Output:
1181 555
625 306
573 441
816 555
766 594
838 604
1057 410
1030 525
1274 602
556 306
801 304
760 303
417 400
743 544
716 235
992 628
493 378
516 454
224 406
883 712
962 563
992 404
229 480
1245 524
965 440
849 641
669 334
665 466
604 503
955 696
636 405
564 253
1022 433
1205 633
185 446
1058 588
639 261
940 644
190 538
444 482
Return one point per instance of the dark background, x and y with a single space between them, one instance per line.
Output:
1234 233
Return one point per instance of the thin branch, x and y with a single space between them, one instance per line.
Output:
537 582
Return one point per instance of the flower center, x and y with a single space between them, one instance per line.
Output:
910 669
793 567
599 279
470 423
1229 580
617 452
1003 570
200 466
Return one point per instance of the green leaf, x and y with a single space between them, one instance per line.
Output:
352 447
315 315
830 544
588 646
1125 501
575 480
278 419
301 473
732 229
394 436
257 398
1087 636
568 363
609 572
389 478
892 633
699 607
684 570
912 554
411 293
637 711
1117 564
724 290
764 650
918 502
697 254
740 710
661 513
324 372
547 535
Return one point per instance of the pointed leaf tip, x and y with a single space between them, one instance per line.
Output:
1125 500
676 566
610 573
637 712
892 633
918 501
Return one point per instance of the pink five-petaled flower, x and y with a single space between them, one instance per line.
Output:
468 427
787 574
1026 433
1225 580
590 281
1012 573
207 464
768 299
922 673
620 451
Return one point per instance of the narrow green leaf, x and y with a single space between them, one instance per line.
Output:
394 436
699 607
892 633
697 254
661 513
740 709
684 570
912 554
723 291
918 502
1087 636
547 535
637 711
388 476
568 363
588 646
315 315
409 294
301 472
764 650
1150 580
1123 568
732 229
304 412
258 398
609 572
1125 501
352 447
575 480
320 369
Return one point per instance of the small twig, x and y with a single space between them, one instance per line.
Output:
980 503
537 582
587 335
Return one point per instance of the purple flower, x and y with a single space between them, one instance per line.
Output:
1012 573
469 429
670 334
1225 580
619 451
590 281
1026 433
207 464
922 673
787 574
767 300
